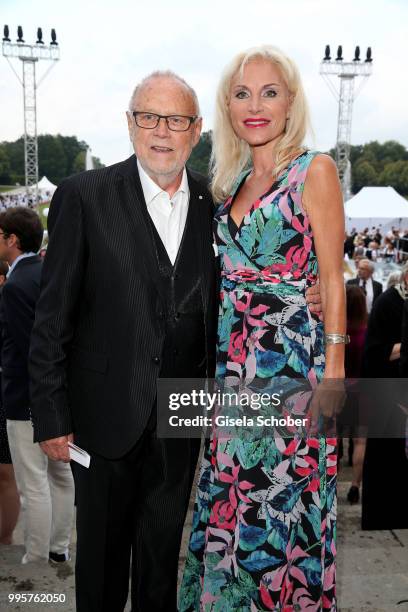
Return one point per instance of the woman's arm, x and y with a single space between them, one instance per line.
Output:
323 202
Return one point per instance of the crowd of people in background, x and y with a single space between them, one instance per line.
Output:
375 322
23 199
374 244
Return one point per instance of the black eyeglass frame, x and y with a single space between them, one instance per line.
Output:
166 117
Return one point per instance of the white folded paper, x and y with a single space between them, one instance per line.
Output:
79 455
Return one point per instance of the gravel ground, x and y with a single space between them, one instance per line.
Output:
372 572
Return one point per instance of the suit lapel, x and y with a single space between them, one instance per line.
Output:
201 226
132 197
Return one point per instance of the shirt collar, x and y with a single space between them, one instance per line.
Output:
17 259
152 189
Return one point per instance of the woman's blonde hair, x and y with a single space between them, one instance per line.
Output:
230 154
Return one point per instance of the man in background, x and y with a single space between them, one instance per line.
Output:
371 288
46 487
9 497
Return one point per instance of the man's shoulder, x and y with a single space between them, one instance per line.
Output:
198 178
389 295
26 271
199 184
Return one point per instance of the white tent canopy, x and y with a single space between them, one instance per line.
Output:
377 206
46 185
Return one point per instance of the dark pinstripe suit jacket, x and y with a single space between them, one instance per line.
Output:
98 334
377 287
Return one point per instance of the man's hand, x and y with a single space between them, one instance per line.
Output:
57 448
314 300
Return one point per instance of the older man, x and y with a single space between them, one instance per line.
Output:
128 295
371 288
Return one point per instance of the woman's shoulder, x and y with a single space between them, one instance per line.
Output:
306 163
319 169
304 159
320 163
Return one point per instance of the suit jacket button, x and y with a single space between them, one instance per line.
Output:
156 360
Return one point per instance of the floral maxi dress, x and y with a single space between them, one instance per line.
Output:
264 523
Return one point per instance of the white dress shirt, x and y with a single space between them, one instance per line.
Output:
168 214
369 291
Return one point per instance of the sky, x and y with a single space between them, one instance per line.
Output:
108 46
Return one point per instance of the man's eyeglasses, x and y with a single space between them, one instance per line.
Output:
175 123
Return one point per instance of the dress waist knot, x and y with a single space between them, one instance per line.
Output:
264 279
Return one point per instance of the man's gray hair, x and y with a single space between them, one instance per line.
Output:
369 261
169 74
393 279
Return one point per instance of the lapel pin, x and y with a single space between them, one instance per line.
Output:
200 197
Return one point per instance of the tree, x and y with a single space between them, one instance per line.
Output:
200 156
364 175
391 150
15 154
97 162
4 166
57 156
72 146
395 174
368 163
79 162
52 158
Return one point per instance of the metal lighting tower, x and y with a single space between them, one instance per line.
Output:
29 56
347 72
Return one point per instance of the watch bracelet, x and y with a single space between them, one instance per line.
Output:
336 338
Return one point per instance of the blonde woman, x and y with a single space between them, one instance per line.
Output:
263 533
